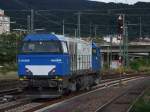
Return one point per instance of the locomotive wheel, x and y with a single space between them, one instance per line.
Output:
88 88
73 86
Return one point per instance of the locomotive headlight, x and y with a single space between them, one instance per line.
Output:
28 72
52 72
23 78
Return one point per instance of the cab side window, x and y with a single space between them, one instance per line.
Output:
64 47
94 51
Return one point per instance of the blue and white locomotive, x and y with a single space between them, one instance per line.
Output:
47 61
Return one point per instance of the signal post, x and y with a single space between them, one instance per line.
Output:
121 34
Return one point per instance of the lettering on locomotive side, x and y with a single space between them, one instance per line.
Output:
56 60
24 60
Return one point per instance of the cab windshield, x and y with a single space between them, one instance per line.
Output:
41 47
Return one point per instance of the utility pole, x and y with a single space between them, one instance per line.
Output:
90 29
63 27
140 27
123 42
32 21
79 24
95 30
111 39
108 56
28 24
126 46
75 33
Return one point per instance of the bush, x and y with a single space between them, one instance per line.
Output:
140 64
8 46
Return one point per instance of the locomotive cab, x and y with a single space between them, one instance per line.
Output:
43 61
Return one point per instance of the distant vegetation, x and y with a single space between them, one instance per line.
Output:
137 65
141 64
8 46
8 51
57 10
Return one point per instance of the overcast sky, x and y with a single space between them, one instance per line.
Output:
123 1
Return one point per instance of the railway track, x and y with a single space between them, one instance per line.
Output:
76 101
122 102
8 92
134 102
9 87
28 105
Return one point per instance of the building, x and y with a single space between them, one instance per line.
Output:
113 37
4 22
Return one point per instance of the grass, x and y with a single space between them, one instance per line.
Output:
8 72
118 71
143 105
8 75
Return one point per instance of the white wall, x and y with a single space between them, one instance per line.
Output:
114 39
4 24
1 12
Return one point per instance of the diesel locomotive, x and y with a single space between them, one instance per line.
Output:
54 64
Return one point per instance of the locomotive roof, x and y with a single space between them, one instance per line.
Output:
39 37
51 37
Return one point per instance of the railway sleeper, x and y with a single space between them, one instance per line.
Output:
134 93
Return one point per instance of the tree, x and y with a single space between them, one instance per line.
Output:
8 47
